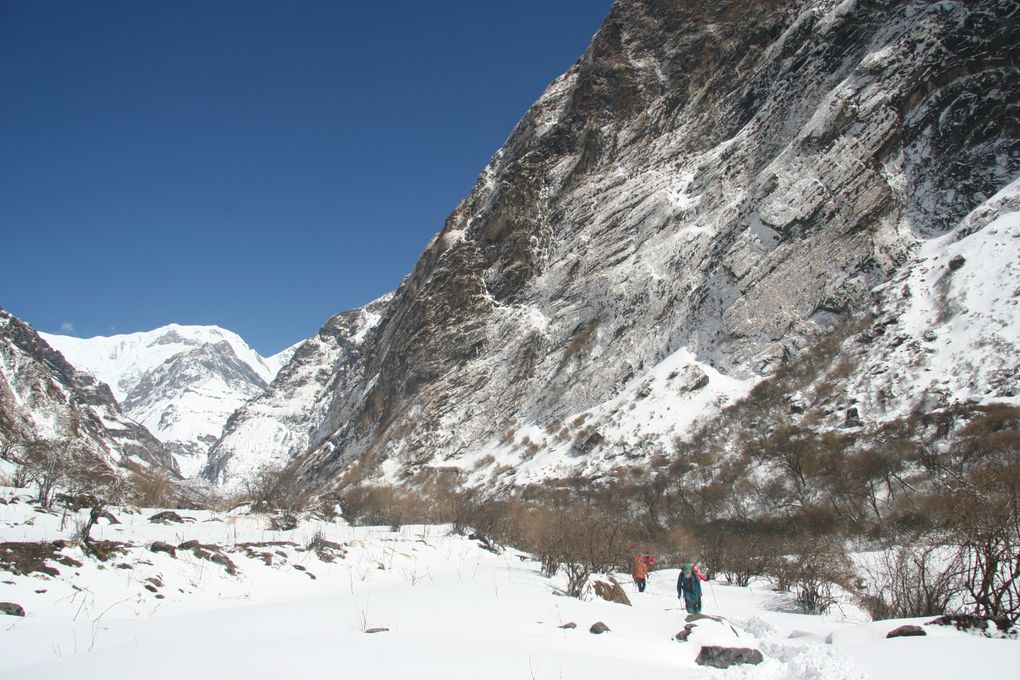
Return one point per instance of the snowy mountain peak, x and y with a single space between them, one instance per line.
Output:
121 360
181 382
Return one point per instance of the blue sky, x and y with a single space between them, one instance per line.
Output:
255 165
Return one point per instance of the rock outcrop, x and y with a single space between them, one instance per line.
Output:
44 399
279 424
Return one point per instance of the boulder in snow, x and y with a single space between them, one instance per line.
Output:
906 631
611 591
598 628
724 657
160 546
166 517
683 635
11 609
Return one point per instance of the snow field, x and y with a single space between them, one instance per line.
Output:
452 610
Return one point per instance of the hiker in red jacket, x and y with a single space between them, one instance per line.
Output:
639 570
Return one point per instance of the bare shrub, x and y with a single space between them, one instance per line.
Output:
573 536
919 579
987 525
738 550
317 541
274 487
47 466
381 506
813 570
151 488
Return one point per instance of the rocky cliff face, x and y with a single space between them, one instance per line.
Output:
711 188
277 425
42 397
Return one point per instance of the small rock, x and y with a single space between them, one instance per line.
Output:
160 546
691 618
377 630
569 626
11 609
166 517
724 657
189 545
598 628
906 631
685 633
853 418
611 592
967 622
283 522
223 561
956 262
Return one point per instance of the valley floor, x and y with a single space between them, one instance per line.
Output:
450 608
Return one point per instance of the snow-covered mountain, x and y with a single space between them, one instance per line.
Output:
43 398
277 425
710 190
180 382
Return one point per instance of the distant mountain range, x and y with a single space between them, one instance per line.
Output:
180 382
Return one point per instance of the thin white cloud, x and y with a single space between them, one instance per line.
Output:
67 327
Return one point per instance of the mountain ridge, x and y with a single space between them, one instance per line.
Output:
181 382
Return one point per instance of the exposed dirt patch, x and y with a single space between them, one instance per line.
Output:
107 550
211 553
31 558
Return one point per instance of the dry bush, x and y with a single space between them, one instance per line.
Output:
274 487
573 535
382 506
739 550
985 521
47 466
813 568
919 579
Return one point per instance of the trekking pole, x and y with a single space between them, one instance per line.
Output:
712 588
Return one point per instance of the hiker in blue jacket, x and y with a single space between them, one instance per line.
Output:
688 586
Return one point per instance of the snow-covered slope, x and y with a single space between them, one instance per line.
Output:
181 382
43 398
709 191
277 425
947 329
238 600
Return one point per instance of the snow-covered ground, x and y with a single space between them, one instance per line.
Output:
451 610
